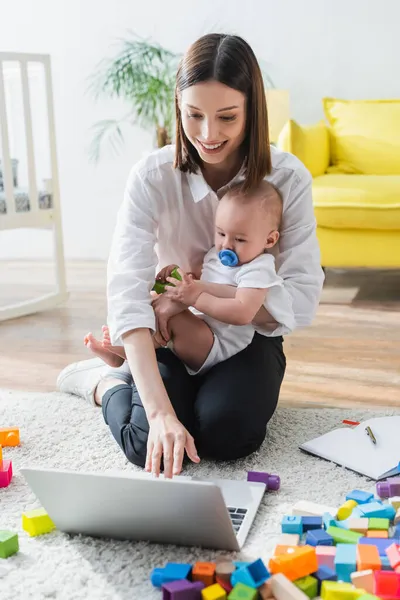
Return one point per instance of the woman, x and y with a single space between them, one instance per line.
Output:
167 218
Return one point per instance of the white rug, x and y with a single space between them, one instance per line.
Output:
62 431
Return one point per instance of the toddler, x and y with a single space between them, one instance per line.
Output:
236 275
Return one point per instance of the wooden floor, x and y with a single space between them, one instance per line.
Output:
349 357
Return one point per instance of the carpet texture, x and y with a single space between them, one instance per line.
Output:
59 430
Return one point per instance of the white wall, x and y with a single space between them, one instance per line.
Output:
346 48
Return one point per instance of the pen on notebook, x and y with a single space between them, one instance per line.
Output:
371 435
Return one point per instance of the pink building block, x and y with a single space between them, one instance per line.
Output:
326 556
5 473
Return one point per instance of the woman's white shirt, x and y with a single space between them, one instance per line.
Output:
167 217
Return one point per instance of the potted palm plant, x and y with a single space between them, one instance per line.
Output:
142 74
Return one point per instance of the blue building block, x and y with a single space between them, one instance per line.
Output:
343 524
319 537
292 524
375 509
254 575
324 574
239 564
328 520
171 572
360 496
345 561
396 533
385 564
380 543
311 523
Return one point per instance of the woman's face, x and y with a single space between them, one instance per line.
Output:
214 120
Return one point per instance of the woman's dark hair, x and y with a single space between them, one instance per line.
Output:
230 60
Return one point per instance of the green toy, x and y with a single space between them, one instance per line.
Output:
159 287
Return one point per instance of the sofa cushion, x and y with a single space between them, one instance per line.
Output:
365 136
357 201
309 143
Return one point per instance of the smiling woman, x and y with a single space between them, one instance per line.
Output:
155 407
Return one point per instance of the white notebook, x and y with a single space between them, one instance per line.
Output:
354 449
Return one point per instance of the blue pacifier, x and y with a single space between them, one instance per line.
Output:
228 258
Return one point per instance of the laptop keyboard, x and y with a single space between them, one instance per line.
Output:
237 515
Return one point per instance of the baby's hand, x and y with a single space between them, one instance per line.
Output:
186 291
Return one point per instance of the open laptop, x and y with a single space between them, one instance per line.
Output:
187 511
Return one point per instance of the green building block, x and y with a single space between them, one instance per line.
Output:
368 597
243 592
8 543
308 585
344 536
378 524
159 287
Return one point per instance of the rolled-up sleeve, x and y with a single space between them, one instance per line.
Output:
132 260
299 264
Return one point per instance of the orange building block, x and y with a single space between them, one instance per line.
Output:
1 455
282 549
368 558
363 580
299 563
9 436
205 572
377 533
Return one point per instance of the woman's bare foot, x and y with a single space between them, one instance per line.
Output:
102 352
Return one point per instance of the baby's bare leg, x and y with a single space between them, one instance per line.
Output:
192 338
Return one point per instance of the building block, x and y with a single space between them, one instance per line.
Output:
393 554
319 537
395 502
396 533
328 520
368 558
6 473
37 522
265 591
182 589
360 496
387 584
205 572
381 544
9 544
239 564
360 525
344 524
343 536
9 436
171 572
213 592
281 549
375 509
374 533
324 574
292 524
385 564
226 585
283 589
326 556
308 585
289 539
301 562
254 575
378 523
363 580
397 517
311 523
305 508
386 489
334 590
345 561
368 597
272 482
243 592
346 509
1 454
224 569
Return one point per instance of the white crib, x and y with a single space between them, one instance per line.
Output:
31 207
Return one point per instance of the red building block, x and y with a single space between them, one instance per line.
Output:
387 585
5 473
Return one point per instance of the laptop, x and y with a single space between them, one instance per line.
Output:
188 511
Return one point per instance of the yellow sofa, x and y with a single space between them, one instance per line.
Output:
354 159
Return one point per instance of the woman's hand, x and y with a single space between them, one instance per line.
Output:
186 291
164 309
165 272
168 438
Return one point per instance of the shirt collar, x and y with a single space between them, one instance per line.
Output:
200 188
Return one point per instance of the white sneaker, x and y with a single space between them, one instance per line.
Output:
81 378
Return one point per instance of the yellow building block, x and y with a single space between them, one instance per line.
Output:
346 509
332 590
37 522
213 592
9 436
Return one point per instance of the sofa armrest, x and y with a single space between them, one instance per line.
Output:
310 144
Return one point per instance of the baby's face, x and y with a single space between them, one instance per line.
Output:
244 228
